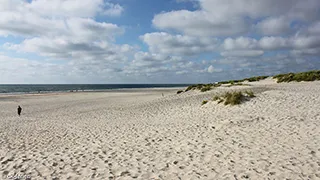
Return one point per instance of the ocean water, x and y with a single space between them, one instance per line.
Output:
46 88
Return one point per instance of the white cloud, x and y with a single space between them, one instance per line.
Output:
146 59
239 43
64 48
200 23
73 8
25 71
19 70
304 42
165 43
223 18
27 23
242 53
274 26
113 10
304 10
306 52
238 30
273 43
211 69
314 28
78 38
69 36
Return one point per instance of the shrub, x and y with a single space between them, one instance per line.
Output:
204 102
178 92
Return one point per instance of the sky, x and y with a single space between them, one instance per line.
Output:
155 41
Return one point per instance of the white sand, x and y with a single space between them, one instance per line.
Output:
142 135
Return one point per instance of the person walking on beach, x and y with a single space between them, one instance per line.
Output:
19 110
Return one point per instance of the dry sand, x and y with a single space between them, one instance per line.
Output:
139 134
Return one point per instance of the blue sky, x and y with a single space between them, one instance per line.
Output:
159 41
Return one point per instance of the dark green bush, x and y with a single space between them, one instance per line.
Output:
178 92
204 102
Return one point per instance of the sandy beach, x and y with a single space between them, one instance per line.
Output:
140 134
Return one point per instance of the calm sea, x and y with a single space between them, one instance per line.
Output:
45 88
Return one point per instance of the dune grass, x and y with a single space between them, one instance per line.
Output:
238 84
194 87
251 79
179 92
303 76
204 102
250 94
233 98
208 87
298 77
256 78
202 87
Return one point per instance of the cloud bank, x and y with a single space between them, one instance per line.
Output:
64 41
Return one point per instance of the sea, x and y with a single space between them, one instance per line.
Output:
49 88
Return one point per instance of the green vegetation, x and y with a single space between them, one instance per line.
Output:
205 88
208 87
202 87
252 79
178 92
204 102
303 76
233 98
231 82
257 78
250 94
194 87
238 84
215 98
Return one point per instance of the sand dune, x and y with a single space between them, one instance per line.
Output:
139 134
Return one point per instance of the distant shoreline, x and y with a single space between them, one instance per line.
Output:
70 88
122 90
